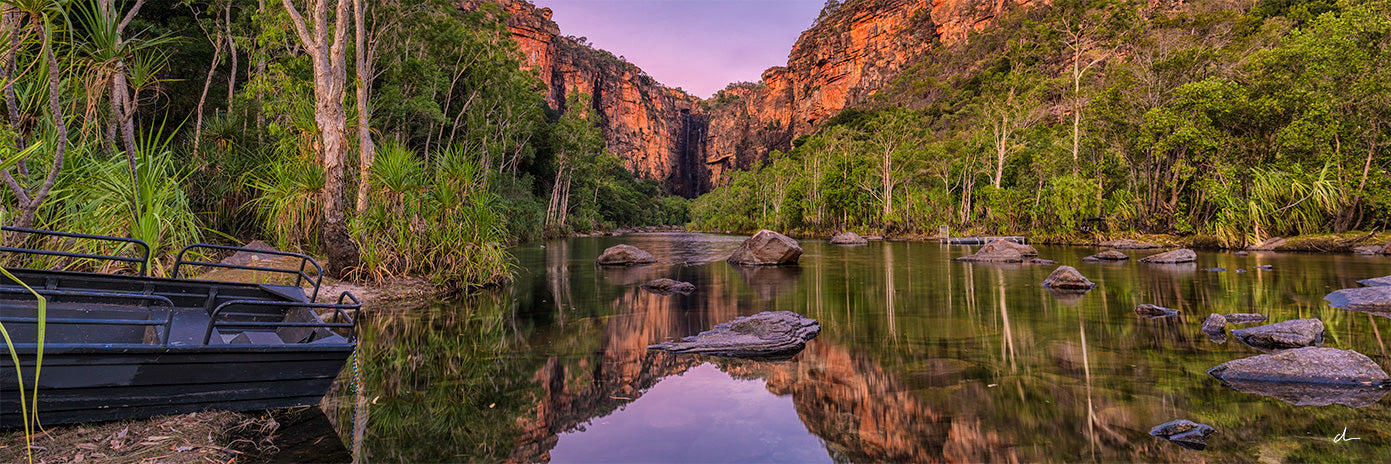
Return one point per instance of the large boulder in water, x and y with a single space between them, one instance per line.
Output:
1310 376
848 238
1067 278
1310 364
769 334
1185 433
766 248
1181 255
1282 335
624 255
1108 255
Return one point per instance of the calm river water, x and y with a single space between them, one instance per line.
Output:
919 359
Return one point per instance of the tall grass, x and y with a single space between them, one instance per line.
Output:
438 219
28 402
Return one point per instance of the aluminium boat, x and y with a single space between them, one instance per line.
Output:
128 346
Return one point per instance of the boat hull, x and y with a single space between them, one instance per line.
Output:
87 384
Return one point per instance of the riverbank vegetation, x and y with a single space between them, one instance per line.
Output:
393 138
1231 122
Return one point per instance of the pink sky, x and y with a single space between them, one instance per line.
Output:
698 45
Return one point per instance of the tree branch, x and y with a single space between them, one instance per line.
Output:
129 16
300 30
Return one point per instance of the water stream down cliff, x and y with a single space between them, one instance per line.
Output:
689 144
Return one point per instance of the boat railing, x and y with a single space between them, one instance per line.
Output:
301 274
142 261
339 313
166 323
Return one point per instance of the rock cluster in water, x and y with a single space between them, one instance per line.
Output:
1181 255
668 286
1282 335
766 248
848 238
1185 433
769 334
625 255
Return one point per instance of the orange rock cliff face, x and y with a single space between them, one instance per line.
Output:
688 144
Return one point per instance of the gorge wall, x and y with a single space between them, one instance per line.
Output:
690 145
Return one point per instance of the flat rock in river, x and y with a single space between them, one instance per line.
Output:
766 248
625 255
1374 300
1309 394
1282 335
1181 255
1310 365
1244 318
1108 255
769 334
1377 282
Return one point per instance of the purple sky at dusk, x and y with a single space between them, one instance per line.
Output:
698 45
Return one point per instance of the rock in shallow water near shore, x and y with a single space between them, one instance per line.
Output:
625 255
1215 326
766 248
766 335
1106 256
848 238
1375 300
1181 255
1185 433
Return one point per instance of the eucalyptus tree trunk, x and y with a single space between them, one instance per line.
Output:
367 151
326 51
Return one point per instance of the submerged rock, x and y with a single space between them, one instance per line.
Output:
1241 253
1240 271
1181 255
1244 318
1310 365
766 248
1215 326
1377 282
769 334
1129 244
668 286
1155 311
848 238
1108 255
1067 278
1185 433
1216 269
625 255
1375 300
1282 335
1266 267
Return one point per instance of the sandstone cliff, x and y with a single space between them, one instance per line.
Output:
657 131
688 144
839 62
